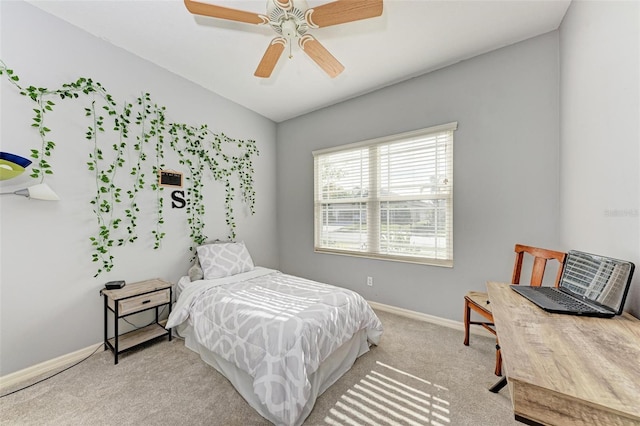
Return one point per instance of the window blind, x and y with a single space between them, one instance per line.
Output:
389 198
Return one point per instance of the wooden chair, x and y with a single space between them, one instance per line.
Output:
479 301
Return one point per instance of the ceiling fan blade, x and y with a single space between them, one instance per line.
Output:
270 57
284 4
320 55
342 11
206 9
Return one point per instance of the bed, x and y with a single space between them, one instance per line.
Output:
281 340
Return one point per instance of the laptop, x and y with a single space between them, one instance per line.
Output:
590 285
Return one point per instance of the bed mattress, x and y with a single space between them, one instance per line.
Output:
280 339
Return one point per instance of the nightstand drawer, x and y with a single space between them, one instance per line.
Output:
137 303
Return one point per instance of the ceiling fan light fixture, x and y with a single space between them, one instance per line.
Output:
289 29
292 19
288 23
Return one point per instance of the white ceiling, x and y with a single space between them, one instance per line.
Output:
410 38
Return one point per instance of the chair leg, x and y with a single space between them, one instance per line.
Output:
467 319
498 371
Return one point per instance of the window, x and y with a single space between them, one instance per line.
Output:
389 198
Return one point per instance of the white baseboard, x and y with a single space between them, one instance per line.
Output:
64 360
46 367
458 325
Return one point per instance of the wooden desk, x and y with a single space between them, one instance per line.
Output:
567 370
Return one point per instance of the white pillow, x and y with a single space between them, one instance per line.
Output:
222 260
195 272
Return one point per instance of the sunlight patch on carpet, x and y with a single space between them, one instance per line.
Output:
391 396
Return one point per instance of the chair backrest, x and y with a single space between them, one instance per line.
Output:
541 256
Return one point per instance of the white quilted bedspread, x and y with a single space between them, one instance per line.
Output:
276 327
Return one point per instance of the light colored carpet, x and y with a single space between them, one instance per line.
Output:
420 374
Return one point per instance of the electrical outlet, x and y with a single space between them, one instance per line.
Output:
370 281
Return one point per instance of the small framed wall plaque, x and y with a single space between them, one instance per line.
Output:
170 178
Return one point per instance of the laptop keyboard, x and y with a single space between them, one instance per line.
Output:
565 300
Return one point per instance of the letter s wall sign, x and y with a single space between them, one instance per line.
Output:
177 200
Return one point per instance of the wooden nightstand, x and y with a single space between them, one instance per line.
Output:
132 299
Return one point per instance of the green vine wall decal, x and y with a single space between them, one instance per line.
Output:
199 147
120 178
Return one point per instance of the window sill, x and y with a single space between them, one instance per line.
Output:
404 259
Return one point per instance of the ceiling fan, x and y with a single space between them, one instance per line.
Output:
291 19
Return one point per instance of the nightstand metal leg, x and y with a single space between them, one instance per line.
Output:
115 337
170 301
104 297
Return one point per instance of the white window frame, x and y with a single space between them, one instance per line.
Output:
443 255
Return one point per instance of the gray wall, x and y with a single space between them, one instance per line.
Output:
535 120
600 131
506 167
49 298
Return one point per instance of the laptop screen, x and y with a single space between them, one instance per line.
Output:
598 278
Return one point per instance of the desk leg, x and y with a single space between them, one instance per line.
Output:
527 421
499 385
